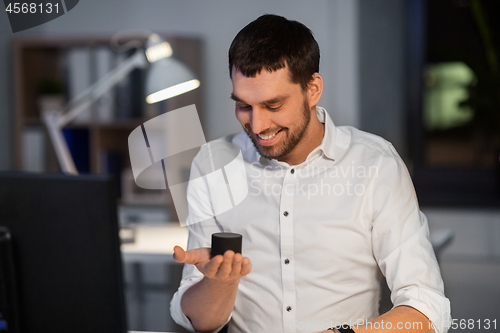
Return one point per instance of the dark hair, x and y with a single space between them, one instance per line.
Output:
272 42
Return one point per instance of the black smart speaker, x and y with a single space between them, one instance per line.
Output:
223 241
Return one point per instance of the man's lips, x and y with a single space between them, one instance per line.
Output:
267 140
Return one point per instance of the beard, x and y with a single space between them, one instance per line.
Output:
290 140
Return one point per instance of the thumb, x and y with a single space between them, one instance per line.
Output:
193 256
179 254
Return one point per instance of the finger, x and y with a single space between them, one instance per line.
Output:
193 257
210 268
236 267
246 266
226 266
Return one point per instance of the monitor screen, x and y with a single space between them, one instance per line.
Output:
66 252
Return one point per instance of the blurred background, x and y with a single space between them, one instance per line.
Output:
424 75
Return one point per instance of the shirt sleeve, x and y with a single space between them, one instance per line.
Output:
401 244
201 225
190 274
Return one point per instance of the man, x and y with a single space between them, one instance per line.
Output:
329 210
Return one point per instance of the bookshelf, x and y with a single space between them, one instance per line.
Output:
41 59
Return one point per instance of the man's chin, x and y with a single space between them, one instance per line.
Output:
267 153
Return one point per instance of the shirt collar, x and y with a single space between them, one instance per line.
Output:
327 145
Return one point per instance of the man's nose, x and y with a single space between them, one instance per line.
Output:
259 120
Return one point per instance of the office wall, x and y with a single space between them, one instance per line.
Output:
382 85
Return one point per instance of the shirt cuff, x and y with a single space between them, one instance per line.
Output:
435 306
176 311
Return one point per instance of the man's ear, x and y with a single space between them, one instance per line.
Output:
315 89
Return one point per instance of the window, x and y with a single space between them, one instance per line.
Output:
455 100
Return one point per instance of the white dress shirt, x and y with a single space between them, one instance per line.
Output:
320 235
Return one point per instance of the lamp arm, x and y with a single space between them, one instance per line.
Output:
95 91
59 143
56 120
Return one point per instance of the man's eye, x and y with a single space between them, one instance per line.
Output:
244 107
274 108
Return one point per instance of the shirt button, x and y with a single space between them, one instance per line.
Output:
285 213
288 308
292 171
287 261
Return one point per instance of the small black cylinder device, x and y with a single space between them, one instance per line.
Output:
223 241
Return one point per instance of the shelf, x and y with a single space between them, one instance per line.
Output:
31 121
105 144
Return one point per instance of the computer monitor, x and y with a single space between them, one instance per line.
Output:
66 252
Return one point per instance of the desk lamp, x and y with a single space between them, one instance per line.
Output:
167 77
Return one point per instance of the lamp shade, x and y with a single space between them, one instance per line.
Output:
168 77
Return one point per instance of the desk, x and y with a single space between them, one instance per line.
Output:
440 239
154 243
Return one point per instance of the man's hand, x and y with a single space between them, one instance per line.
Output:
228 268
209 302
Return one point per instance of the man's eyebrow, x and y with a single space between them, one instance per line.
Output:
274 100
236 98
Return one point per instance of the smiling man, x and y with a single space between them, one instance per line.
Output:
331 209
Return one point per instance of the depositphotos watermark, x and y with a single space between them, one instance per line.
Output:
463 324
327 323
31 13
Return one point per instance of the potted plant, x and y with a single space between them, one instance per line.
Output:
50 94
